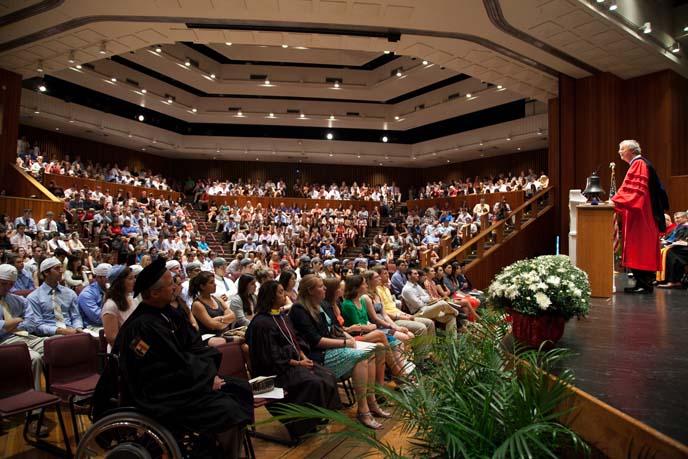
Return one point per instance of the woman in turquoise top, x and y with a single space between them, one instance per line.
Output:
354 312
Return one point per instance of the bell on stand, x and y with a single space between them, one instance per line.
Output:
593 190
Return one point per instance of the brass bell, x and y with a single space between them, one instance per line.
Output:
593 190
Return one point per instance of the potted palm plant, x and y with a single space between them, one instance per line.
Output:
541 294
480 400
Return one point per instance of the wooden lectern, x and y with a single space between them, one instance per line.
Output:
595 247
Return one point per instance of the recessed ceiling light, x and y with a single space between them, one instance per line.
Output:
143 148
39 67
240 113
384 138
518 149
194 109
78 66
170 100
468 95
267 82
71 120
386 157
57 129
212 75
675 48
217 151
539 131
329 136
37 112
187 63
158 49
336 84
647 28
434 153
331 155
284 45
380 164
71 59
113 79
141 118
414 158
448 161
481 143
387 51
499 86
228 43
42 87
425 62
399 73
129 135
103 48
613 6
508 138
302 115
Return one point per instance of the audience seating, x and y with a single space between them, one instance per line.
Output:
17 395
71 364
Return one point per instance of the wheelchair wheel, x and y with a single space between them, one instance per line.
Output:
128 435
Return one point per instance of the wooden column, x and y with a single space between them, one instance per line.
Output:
595 247
10 94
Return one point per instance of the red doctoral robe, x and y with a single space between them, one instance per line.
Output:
640 232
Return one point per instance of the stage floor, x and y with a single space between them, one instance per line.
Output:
632 353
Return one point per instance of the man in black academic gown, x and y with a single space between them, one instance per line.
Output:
171 375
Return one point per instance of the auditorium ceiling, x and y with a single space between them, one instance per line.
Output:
398 83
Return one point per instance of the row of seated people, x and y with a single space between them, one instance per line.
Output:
204 190
406 237
529 183
674 251
37 165
306 319
325 231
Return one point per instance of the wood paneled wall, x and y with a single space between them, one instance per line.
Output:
592 115
14 207
10 94
515 163
678 191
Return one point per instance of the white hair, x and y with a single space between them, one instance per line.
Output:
632 145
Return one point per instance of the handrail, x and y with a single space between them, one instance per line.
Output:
36 184
497 228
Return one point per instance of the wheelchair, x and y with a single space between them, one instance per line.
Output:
124 432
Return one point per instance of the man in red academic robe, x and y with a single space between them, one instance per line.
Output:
640 203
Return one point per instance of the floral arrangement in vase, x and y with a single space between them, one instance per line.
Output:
548 288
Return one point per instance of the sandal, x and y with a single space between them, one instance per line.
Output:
367 420
377 412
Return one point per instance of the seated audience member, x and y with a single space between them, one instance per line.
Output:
287 279
376 312
178 303
192 270
119 301
676 234
315 323
354 312
212 313
28 222
20 240
14 328
440 292
24 283
54 308
5 243
74 276
75 245
420 304
399 278
225 287
276 349
243 303
170 375
91 298
416 325
675 263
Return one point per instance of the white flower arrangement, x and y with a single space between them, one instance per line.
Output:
549 284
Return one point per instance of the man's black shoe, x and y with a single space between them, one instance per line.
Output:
642 291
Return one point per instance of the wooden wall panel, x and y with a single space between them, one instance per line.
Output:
515 163
679 117
678 193
14 207
10 94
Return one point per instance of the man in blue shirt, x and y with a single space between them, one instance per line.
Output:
54 309
14 322
24 283
91 298
399 278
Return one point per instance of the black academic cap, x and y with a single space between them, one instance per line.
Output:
150 275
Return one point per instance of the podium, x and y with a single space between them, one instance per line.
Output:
595 247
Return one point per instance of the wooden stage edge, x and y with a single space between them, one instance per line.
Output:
615 433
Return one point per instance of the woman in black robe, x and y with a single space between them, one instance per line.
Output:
275 349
